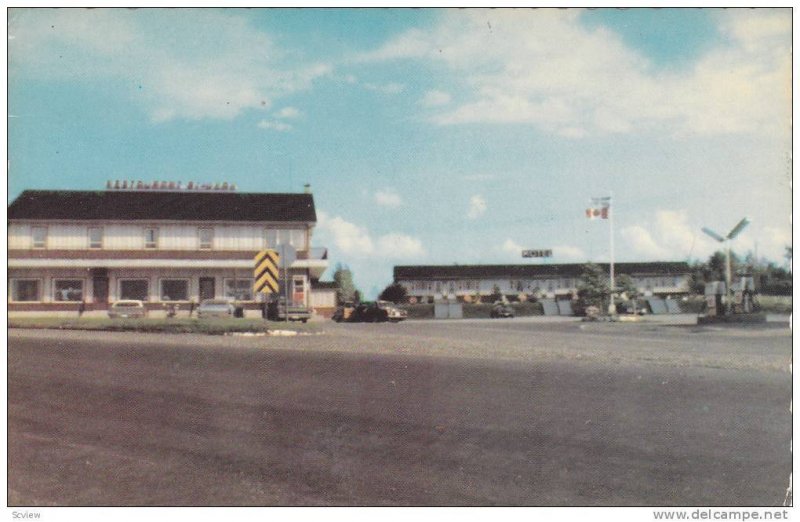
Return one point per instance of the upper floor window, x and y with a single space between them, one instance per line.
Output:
39 237
95 237
294 237
206 238
151 237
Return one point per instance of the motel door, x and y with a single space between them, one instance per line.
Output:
100 290
206 288
299 290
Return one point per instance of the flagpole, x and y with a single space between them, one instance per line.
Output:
611 308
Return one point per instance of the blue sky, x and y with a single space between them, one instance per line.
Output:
428 136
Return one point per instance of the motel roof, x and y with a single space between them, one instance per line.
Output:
153 205
442 272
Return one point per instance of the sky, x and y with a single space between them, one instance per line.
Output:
428 136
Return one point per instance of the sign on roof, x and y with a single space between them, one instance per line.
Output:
537 253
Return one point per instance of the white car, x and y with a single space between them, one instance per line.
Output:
215 308
128 308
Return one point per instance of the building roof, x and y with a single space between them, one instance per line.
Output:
419 272
157 205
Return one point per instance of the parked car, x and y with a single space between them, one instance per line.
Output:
215 308
377 312
343 312
127 309
500 309
277 311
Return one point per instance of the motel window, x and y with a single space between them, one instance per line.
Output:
95 237
174 289
68 290
293 237
25 290
151 237
206 238
133 289
238 289
39 237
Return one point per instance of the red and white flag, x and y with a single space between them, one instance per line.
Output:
600 208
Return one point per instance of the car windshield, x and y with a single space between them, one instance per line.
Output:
127 304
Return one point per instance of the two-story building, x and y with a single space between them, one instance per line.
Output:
465 282
160 246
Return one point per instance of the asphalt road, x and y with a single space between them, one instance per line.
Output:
533 413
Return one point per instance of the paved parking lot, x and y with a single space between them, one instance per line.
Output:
518 412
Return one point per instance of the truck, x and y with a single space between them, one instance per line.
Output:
276 310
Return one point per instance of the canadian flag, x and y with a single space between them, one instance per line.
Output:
597 213
599 209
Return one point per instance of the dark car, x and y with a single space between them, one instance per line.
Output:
500 309
343 312
377 312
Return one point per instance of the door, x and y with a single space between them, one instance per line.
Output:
299 291
100 290
207 288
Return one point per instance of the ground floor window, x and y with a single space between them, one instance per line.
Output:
174 289
239 289
26 290
68 290
133 289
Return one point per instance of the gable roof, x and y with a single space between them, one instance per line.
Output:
530 271
154 205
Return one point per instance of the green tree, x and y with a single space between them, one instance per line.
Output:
626 285
496 294
395 293
593 287
346 289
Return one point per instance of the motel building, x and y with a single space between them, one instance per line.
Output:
426 284
161 243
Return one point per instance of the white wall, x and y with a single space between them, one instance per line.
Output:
125 236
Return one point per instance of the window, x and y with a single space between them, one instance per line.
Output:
151 237
25 290
95 237
206 238
39 237
68 290
239 289
174 289
294 237
133 289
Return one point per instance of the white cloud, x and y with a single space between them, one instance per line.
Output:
385 88
567 253
639 241
511 247
228 66
400 246
288 113
544 67
435 99
347 237
274 125
388 198
477 207
356 241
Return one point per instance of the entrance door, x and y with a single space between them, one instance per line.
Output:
207 288
100 290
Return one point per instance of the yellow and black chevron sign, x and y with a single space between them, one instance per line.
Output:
266 272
